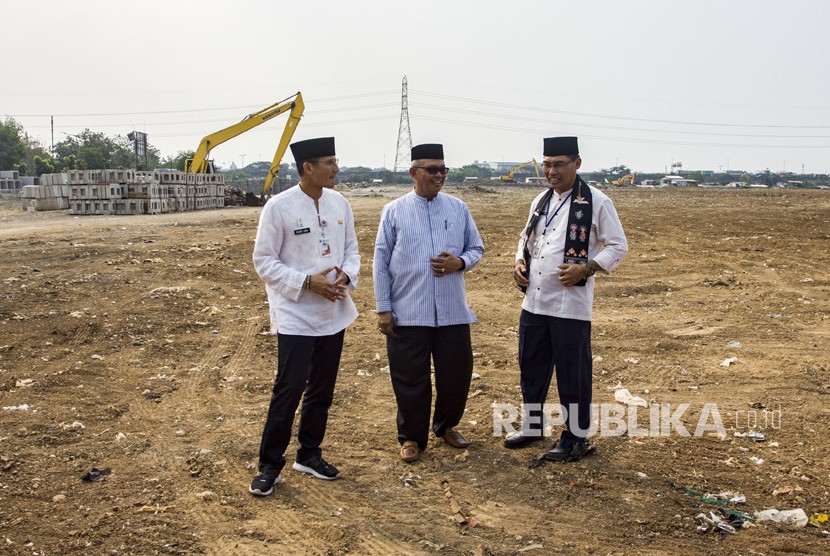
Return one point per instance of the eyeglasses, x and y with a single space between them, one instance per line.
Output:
432 170
558 166
330 162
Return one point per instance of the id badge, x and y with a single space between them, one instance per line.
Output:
537 250
324 247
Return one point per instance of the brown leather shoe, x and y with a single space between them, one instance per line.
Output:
410 451
454 439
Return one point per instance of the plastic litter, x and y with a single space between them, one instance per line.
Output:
622 395
756 436
723 520
818 518
795 518
719 499
94 474
727 362
410 479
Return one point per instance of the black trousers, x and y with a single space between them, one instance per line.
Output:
307 368
409 349
564 345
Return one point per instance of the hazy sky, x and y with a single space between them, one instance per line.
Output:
727 84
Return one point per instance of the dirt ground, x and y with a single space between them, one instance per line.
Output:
140 345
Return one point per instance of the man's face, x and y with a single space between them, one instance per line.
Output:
560 171
322 171
426 184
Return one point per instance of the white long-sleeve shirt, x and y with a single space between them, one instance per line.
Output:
293 242
607 246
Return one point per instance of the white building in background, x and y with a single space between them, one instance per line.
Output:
503 167
676 181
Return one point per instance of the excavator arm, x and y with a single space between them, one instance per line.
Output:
509 176
627 179
536 167
200 164
297 108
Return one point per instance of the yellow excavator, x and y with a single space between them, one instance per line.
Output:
200 164
627 179
509 176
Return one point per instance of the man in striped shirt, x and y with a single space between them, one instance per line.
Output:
425 242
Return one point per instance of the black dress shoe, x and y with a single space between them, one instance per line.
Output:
521 439
575 452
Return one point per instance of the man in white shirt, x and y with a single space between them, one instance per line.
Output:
306 253
577 233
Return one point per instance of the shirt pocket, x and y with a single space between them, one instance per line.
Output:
453 240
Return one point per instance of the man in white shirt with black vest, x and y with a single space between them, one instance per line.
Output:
572 233
306 253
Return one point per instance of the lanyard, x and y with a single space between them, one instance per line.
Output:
549 219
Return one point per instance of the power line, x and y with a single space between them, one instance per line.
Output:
305 125
611 117
226 120
622 139
583 124
188 110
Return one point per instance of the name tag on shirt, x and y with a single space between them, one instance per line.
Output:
299 231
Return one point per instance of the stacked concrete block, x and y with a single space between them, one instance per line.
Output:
53 179
92 206
130 192
120 175
130 206
10 184
50 194
58 180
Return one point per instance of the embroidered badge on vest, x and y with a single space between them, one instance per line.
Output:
579 231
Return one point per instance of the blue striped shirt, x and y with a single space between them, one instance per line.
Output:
412 231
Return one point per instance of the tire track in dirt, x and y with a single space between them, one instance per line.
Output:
82 333
232 348
203 396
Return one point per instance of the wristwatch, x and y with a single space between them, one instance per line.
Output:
590 270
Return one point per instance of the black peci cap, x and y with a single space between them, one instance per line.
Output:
312 148
428 150
559 146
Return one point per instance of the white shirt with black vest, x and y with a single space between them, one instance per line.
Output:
607 246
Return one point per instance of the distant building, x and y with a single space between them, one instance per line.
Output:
676 181
503 167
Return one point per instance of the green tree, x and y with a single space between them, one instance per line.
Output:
43 166
619 170
92 158
473 170
69 162
177 161
94 150
12 144
17 149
